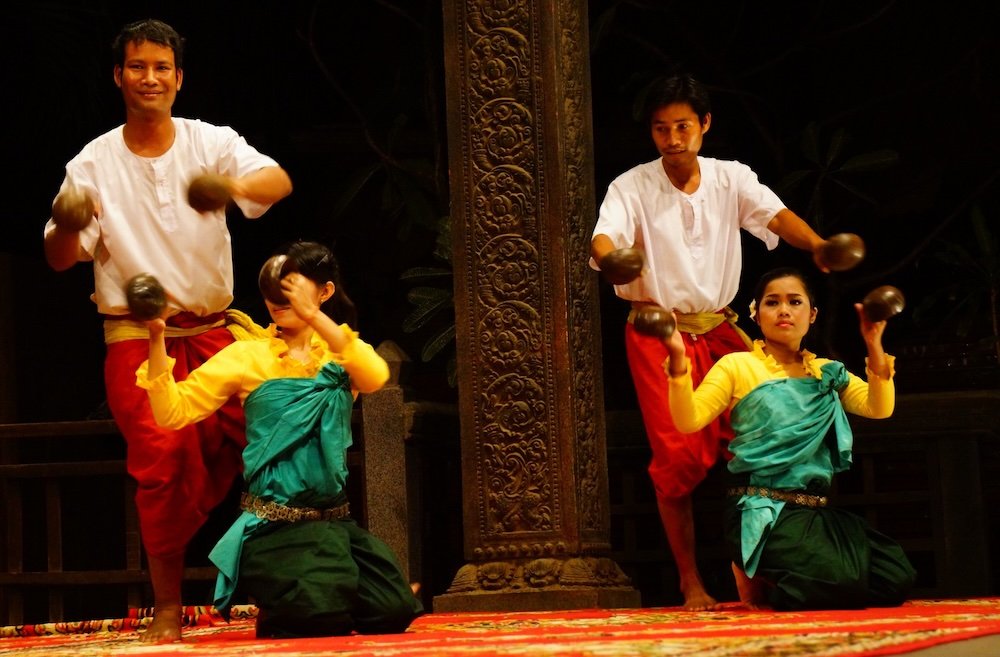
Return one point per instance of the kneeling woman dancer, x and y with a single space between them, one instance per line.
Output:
789 549
294 550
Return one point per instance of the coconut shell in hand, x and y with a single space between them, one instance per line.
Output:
72 210
655 321
842 251
269 280
882 303
208 192
622 266
145 296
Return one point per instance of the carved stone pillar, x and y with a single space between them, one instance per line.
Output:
535 489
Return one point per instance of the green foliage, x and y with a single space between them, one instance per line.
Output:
401 188
434 306
832 172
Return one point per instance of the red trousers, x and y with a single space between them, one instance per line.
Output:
181 474
680 460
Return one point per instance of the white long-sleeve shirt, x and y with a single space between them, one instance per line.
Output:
691 242
146 224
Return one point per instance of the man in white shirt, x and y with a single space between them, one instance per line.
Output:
684 213
124 205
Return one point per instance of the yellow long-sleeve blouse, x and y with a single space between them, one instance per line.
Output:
243 365
734 375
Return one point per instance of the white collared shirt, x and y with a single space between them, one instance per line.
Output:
692 242
146 224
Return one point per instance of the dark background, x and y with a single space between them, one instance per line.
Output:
877 118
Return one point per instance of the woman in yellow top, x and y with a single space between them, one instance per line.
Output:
294 549
789 549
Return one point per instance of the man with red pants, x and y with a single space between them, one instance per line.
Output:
683 214
124 205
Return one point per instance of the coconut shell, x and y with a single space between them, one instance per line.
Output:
145 296
882 303
269 280
842 251
622 266
655 321
73 210
208 192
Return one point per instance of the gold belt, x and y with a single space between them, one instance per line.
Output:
791 496
694 324
268 510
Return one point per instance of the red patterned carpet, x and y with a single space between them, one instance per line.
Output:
734 632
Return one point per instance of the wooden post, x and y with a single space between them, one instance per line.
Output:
535 490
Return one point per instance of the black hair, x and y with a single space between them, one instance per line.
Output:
150 30
316 262
676 87
783 272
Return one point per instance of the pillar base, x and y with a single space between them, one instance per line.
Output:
554 599
543 584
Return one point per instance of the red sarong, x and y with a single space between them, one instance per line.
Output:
181 474
680 460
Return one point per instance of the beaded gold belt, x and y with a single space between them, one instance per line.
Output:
790 496
268 510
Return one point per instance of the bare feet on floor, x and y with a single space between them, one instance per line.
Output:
700 601
165 628
752 591
695 596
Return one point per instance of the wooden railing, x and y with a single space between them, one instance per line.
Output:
39 463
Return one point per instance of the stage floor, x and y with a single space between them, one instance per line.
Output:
984 646
920 628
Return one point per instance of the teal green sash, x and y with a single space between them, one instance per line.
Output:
781 430
298 432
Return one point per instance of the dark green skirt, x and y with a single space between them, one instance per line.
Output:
324 578
826 558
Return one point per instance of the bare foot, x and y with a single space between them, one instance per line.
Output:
700 601
678 523
165 628
751 590
695 596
